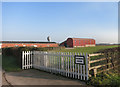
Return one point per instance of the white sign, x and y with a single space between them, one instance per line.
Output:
79 59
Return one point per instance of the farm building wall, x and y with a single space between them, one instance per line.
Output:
78 42
29 45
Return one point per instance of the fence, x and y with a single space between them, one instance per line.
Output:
56 62
64 63
100 63
27 60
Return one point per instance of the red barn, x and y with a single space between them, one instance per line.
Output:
28 44
78 42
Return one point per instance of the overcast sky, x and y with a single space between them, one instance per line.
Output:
60 20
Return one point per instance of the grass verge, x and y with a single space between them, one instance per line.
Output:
87 49
105 79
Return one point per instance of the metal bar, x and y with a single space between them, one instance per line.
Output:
68 64
23 59
81 71
87 71
84 72
28 59
75 69
78 69
73 66
59 62
31 60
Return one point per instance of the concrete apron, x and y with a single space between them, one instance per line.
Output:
36 77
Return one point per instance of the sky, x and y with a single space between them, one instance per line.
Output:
34 21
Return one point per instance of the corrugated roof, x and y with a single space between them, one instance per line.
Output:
26 42
81 38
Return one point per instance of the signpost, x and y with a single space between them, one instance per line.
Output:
79 59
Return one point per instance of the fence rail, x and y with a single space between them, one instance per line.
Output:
101 65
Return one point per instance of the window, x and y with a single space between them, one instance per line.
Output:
83 41
90 42
79 42
75 41
86 41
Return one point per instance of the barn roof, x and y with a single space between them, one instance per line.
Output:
27 42
81 38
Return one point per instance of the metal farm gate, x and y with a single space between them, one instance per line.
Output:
63 63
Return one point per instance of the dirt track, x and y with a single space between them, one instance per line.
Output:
35 77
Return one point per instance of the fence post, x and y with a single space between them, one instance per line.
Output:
62 63
31 59
73 65
95 72
88 57
87 65
81 69
70 65
66 64
59 62
75 68
22 59
78 69
84 69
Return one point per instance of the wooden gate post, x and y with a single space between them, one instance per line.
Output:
89 65
95 72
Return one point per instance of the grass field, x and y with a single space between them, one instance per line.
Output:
87 49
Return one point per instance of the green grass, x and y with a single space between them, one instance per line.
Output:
109 80
9 63
87 49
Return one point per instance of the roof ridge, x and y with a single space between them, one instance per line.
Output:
82 38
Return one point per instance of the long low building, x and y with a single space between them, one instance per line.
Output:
28 44
78 42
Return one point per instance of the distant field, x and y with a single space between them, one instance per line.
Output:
87 49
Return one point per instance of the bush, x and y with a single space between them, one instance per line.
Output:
9 63
105 79
16 52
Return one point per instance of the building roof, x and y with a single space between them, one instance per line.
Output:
27 42
81 38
